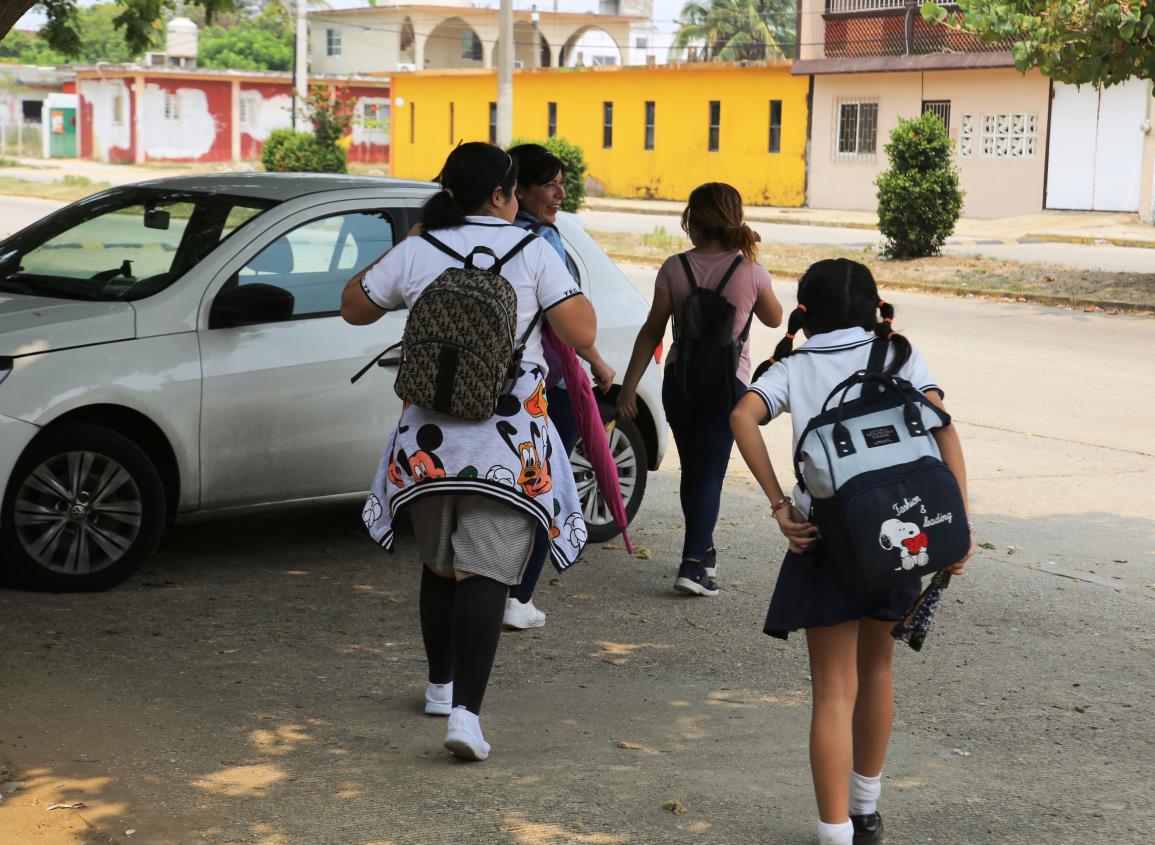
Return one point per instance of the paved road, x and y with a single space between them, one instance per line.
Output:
1104 257
260 682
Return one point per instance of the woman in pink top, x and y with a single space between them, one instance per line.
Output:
699 392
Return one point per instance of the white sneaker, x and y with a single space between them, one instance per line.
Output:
439 699
522 616
464 737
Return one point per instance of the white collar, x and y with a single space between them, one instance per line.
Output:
837 339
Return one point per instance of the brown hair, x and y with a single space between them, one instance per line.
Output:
714 212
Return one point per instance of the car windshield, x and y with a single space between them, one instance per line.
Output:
124 244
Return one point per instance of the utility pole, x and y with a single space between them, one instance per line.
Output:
505 52
301 63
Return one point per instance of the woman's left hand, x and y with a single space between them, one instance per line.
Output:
603 374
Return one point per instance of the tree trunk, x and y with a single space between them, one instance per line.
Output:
12 11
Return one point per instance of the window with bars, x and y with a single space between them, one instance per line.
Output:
607 125
452 125
1009 135
118 110
171 107
715 125
471 46
493 123
775 126
940 109
332 42
248 104
551 120
649 143
857 130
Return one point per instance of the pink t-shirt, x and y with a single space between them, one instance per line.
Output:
743 290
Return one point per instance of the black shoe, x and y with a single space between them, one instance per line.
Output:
867 829
710 561
692 579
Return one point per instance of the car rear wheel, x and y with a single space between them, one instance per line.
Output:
628 448
84 509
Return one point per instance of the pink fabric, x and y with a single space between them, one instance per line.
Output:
593 433
748 283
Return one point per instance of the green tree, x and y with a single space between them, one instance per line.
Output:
136 22
1075 41
919 199
737 30
99 41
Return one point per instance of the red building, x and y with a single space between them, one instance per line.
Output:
131 114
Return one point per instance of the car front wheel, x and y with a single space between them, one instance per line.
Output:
628 448
84 509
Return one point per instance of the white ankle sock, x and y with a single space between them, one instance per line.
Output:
864 794
835 834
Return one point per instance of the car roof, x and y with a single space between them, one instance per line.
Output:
280 187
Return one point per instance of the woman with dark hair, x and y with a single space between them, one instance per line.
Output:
539 196
723 260
477 492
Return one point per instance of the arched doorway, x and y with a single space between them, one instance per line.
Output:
590 46
454 43
408 45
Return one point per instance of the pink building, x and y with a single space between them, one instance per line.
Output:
131 114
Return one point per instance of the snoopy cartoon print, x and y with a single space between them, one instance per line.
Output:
909 539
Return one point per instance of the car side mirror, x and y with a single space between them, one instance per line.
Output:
157 219
245 305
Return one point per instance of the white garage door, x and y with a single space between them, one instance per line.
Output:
1096 147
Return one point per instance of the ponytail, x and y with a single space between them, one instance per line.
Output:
742 239
884 330
471 174
794 325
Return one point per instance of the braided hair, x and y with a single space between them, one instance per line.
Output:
838 293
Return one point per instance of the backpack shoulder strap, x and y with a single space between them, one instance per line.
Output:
689 273
452 253
730 273
522 244
877 361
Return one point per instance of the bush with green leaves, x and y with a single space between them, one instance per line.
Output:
919 198
287 151
574 159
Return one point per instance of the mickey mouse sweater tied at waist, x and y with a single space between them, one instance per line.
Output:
514 457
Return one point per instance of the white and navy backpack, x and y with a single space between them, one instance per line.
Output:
886 506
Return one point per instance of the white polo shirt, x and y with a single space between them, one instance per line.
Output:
799 384
537 274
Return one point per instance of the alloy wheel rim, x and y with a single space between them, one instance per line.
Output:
78 513
595 510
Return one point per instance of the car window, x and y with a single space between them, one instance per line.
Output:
125 245
315 261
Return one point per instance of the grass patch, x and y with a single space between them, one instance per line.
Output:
68 189
962 274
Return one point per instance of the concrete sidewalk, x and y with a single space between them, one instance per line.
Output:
1049 226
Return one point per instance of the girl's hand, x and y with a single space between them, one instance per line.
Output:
628 403
603 374
794 527
960 567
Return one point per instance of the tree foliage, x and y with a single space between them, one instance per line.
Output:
919 198
99 41
319 151
1075 41
737 30
259 41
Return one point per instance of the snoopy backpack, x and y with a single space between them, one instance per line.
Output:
887 508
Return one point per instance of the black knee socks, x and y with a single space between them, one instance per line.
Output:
478 608
437 624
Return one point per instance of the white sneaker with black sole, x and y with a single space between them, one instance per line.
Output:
439 699
693 580
520 616
463 739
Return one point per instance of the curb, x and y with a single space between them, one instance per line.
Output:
1093 305
752 213
1088 240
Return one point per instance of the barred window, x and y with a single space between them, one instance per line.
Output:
715 125
649 142
332 42
857 130
171 107
775 126
551 120
607 125
940 109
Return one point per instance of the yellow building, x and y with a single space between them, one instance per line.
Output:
653 132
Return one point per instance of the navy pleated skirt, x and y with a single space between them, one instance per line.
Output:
809 594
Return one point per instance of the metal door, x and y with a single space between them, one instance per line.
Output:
62 126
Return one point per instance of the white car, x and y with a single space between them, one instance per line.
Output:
174 347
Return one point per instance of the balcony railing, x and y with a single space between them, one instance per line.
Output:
849 7
855 36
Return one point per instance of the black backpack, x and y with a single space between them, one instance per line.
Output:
707 354
460 352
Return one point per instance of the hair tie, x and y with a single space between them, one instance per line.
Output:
888 320
449 191
789 335
891 335
881 303
801 307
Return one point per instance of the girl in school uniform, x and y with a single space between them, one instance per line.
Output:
847 633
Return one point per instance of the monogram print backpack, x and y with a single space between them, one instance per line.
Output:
460 352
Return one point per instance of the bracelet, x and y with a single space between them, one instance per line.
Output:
785 501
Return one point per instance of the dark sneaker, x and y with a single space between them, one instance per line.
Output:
692 579
867 829
710 561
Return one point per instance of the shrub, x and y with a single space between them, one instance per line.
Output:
919 198
299 152
575 169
